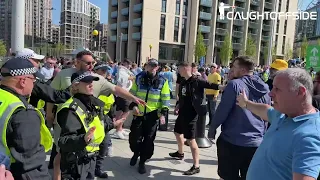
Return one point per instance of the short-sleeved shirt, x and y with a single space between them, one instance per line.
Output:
291 145
63 81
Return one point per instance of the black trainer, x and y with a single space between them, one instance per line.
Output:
101 174
142 168
134 160
177 155
193 170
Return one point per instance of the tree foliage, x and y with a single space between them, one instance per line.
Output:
3 49
226 50
289 52
200 47
304 46
251 48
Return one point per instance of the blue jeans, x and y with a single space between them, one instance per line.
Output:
211 105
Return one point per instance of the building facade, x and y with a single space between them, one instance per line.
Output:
55 30
78 19
167 29
38 19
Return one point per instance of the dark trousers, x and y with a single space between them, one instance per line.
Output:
211 105
233 159
143 132
80 171
103 150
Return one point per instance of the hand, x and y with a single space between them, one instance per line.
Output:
176 111
139 101
118 122
131 78
89 134
215 98
162 120
5 174
242 99
136 111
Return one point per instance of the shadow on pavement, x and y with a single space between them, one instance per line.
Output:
203 161
165 141
158 172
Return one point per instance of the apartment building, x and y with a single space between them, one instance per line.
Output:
38 18
103 37
78 19
167 29
55 30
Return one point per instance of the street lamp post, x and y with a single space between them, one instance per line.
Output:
150 47
17 35
120 45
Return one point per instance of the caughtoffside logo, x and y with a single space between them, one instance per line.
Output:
252 15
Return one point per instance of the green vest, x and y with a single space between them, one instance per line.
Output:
108 102
8 104
98 133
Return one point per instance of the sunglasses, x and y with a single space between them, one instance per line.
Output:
88 63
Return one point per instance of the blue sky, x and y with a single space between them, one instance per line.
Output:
103 4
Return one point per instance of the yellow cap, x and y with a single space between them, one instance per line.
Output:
279 64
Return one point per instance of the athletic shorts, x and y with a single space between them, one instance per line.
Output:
122 104
186 125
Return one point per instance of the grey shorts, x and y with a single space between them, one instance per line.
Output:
56 135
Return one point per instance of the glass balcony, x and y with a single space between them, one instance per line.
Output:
137 8
206 42
241 0
137 22
204 29
124 24
253 24
238 22
114 14
221 31
125 11
113 38
239 9
219 43
266 27
268 5
225 20
253 35
136 36
125 1
265 38
255 2
236 45
206 3
124 37
205 16
114 2
113 26
238 34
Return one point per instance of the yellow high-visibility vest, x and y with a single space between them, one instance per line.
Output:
108 102
8 104
98 133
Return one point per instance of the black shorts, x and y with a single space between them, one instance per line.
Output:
122 104
232 159
186 125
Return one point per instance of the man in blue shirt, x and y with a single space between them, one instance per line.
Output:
291 147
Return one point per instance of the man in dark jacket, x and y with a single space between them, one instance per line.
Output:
241 131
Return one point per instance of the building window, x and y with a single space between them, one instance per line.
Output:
285 27
176 29
162 33
162 52
184 30
283 44
178 4
185 8
278 26
164 6
163 21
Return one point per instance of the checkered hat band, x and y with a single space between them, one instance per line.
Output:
27 56
78 79
100 66
21 72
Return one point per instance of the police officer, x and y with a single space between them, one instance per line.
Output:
82 123
25 137
105 147
42 92
154 88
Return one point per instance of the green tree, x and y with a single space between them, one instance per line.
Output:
200 48
297 52
60 49
226 50
251 47
274 53
304 45
289 52
265 53
3 49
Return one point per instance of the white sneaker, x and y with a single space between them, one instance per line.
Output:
125 133
118 135
110 149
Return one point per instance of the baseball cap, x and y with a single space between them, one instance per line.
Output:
19 67
153 62
28 54
214 65
279 64
83 76
102 65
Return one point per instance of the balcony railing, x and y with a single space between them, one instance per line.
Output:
219 43
221 31
225 20
237 34
206 3
238 22
268 5
253 24
113 38
137 8
137 22
125 11
124 37
204 29
124 24
136 36
237 45
114 14
255 2
113 26
266 27
114 2
265 38
125 1
239 9
205 16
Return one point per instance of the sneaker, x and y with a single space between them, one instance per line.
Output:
118 135
193 170
177 155
109 151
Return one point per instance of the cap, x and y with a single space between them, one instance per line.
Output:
103 66
19 67
214 65
28 54
153 62
279 64
83 76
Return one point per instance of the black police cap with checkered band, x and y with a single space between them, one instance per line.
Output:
19 67
83 76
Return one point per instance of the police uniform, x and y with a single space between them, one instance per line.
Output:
156 93
25 137
76 117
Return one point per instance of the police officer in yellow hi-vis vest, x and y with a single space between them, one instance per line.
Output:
25 137
154 89
81 119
